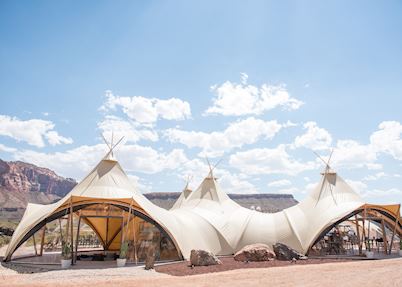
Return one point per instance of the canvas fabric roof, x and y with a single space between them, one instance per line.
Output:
207 218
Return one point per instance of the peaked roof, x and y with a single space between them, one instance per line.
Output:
182 198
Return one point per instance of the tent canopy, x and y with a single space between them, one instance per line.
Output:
205 218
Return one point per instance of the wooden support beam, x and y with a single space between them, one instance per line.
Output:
76 238
358 235
72 231
61 230
394 230
42 241
384 235
135 245
34 244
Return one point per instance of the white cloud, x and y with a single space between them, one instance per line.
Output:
358 186
231 183
232 99
77 162
388 139
290 190
5 148
71 163
351 154
131 131
376 176
55 139
269 161
145 159
280 183
148 110
237 134
33 131
381 193
315 138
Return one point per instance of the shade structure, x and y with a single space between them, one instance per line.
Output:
205 218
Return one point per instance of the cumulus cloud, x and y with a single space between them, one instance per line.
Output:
314 138
148 110
269 161
233 99
388 139
351 154
237 134
232 183
78 161
280 183
5 148
33 131
131 131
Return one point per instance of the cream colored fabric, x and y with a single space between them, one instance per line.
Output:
207 218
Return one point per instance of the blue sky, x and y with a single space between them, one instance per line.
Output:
259 85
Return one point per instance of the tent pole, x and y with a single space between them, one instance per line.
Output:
42 241
358 235
107 229
61 231
34 244
393 231
364 228
135 244
384 236
71 227
76 238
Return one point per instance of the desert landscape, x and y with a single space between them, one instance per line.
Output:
369 273
200 143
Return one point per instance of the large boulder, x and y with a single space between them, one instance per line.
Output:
203 258
284 252
255 252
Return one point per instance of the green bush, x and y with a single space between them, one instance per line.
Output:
66 250
123 250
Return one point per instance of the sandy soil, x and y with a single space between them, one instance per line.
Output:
366 273
228 263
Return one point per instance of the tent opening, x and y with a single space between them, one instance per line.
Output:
368 230
96 231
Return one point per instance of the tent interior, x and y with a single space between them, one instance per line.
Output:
95 231
375 228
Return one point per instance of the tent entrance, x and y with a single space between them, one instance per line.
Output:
369 229
96 233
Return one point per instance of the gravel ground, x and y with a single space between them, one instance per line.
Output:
228 263
367 273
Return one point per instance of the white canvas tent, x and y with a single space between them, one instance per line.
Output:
203 219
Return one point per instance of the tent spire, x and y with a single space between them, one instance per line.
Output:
327 171
111 146
211 168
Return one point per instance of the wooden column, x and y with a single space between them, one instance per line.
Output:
71 231
76 238
34 244
42 241
394 230
384 235
358 235
135 245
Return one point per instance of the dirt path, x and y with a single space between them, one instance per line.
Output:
347 274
